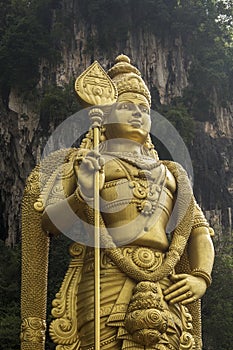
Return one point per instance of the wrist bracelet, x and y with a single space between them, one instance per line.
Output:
203 274
77 196
80 196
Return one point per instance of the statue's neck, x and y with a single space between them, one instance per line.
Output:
123 145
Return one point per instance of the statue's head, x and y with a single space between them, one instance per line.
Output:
129 117
129 82
126 96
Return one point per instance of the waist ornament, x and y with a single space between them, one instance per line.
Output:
143 258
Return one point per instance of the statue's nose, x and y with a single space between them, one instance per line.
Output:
137 112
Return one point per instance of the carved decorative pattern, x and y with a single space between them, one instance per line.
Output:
33 330
186 319
63 330
94 87
143 257
35 248
146 321
187 342
128 78
181 235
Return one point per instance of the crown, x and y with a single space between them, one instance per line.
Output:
127 78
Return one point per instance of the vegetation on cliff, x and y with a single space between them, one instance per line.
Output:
34 30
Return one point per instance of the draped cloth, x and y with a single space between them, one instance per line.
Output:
118 295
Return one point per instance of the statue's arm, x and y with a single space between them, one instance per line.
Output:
200 247
188 288
60 217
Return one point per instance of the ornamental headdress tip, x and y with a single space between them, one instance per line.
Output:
96 87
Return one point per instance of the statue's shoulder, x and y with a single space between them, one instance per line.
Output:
180 175
52 178
49 164
170 182
175 168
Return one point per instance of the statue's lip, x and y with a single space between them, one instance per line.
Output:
135 122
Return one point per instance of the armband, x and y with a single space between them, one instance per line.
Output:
199 218
203 274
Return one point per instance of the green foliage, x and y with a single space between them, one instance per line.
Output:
205 29
29 32
218 302
204 26
111 21
224 18
154 16
102 14
57 103
25 39
9 297
179 116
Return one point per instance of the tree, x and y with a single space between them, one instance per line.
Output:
218 302
9 297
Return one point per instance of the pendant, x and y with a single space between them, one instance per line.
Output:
148 196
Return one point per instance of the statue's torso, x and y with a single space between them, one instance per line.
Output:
136 203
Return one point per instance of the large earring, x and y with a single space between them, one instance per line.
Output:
150 148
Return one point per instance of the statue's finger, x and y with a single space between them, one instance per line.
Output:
101 161
176 293
78 161
178 299
189 300
174 287
91 163
93 154
182 298
179 276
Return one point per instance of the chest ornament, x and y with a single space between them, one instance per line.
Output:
148 195
146 184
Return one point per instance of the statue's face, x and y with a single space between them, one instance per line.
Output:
129 119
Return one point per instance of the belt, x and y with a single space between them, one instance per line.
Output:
144 258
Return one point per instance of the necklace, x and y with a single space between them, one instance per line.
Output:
140 161
147 187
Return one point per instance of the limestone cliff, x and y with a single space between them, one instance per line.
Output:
164 66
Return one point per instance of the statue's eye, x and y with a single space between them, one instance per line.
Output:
144 109
125 106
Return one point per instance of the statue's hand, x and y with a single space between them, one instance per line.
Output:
186 289
85 168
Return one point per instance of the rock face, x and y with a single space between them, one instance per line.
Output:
213 175
165 69
162 65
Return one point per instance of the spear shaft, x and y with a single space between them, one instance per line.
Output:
97 249
96 115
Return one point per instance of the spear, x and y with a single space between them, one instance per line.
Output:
94 87
96 115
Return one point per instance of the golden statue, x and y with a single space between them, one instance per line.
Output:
131 286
